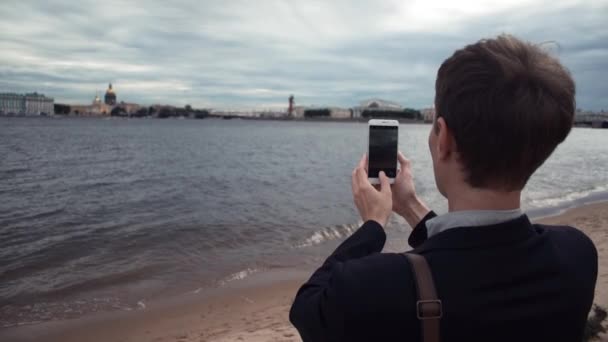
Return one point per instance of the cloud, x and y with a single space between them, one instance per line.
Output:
244 54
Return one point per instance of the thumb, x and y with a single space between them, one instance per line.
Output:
385 186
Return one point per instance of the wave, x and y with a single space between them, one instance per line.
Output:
28 216
73 285
41 311
555 201
328 234
238 276
11 172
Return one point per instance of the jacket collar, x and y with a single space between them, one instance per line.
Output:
503 233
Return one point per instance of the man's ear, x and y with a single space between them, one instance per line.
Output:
445 140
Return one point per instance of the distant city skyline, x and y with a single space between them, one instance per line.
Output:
242 54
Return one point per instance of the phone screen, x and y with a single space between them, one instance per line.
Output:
382 154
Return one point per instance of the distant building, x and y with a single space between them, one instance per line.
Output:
291 104
332 112
36 104
110 96
99 108
27 104
428 114
340 113
298 111
12 103
129 108
376 105
96 108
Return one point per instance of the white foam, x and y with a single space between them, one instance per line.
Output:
238 275
566 198
328 234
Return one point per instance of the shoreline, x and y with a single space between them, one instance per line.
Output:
256 308
259 118
593 197
218 117
403 121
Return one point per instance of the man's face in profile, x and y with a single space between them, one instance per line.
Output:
433 137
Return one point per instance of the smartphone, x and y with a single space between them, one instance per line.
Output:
383 145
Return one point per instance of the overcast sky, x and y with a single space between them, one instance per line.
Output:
253 54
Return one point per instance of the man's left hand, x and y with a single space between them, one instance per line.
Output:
376 205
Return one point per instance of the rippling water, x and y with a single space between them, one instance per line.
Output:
102 214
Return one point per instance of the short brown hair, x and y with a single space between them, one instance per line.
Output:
508 103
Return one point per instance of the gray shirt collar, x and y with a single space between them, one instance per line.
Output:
469 218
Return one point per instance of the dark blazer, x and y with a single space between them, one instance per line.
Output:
513 281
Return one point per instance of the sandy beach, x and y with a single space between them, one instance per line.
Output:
255 309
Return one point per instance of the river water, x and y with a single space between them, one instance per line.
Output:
106 214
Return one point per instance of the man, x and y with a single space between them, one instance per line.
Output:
503 106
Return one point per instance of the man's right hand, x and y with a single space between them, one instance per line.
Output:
405 201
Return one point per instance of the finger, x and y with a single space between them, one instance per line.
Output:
363 161
403 161
385 185
362 180
398 176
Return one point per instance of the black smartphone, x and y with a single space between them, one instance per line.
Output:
383 146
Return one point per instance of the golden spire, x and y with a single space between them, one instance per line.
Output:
97 99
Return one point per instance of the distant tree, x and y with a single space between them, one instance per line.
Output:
118 111
407 113
312 113
410 113
62 109
151 110
188 108
201 114
165 112
141 112
180 112
378 113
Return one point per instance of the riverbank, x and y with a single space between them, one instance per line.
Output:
255 309
313 119
223 117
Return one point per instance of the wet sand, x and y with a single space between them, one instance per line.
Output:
255 309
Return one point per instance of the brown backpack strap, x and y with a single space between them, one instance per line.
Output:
428 307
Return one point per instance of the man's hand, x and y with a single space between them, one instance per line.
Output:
405 201
404 191
372 204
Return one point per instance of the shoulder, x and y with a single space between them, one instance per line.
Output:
376 266
567 236
381 282
380 271
573 247
379 274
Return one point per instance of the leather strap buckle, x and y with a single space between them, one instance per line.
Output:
429 309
